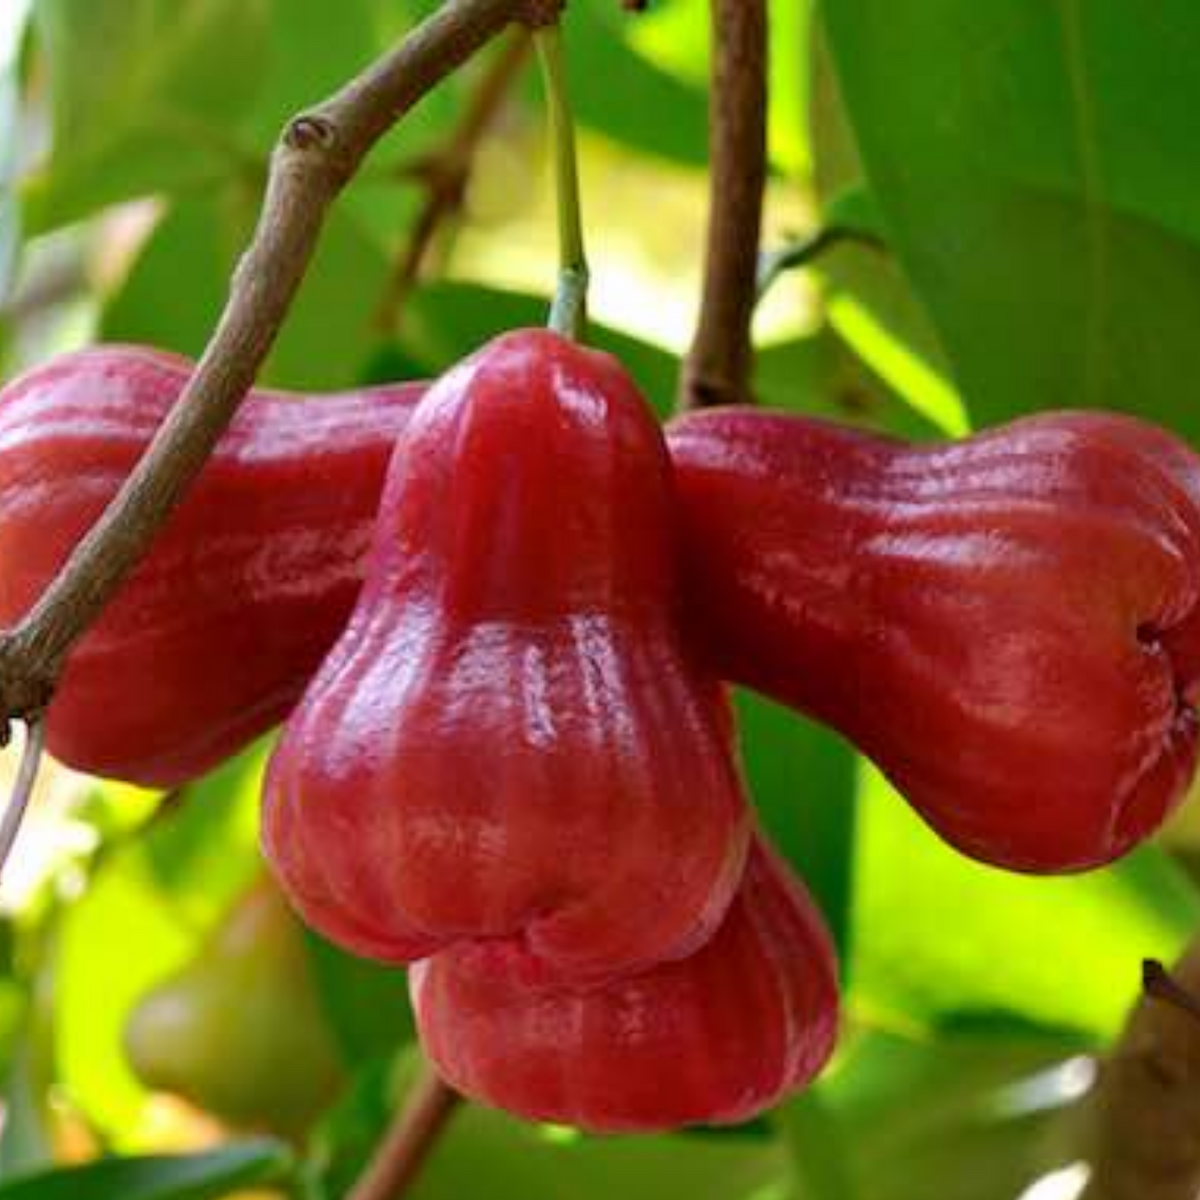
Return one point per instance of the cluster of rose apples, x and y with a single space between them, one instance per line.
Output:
499 615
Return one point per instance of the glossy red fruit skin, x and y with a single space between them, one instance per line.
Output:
1008 625
512 741
715 1038
211 640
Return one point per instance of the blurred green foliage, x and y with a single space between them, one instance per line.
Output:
1029 169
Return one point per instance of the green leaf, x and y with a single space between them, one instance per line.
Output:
791 26
869 300
819 375
148 907
25 1142
177 286
205 852
875 313
444 322
329 331
529 1162
144 93
13 18
1028 181
308 57
366 1003
192 1177
675 38
803 779
154 305
118 941
822 1158
855 209
936 934
17 1010
345 1138
974 1113
650 111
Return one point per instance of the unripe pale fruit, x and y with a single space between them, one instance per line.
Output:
211 640
1008 625
240 1031
512 741
712 1039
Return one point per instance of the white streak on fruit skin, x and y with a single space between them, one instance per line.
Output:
538 729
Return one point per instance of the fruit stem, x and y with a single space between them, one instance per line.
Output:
568 313
18 802
399 1157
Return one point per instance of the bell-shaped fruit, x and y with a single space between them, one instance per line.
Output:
240 1031
714 1038
1007 625
213 637
512 741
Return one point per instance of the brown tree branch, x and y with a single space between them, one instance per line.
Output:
717 370
403 1151
319 152
1144 1131
447 173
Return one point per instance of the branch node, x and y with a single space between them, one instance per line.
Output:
712 393
313 143
1158 984
309 130
26 687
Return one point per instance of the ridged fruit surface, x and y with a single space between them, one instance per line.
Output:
512 741
240 1031
211 640
1008 625
713 1039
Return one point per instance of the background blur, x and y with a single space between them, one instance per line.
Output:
1031 171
